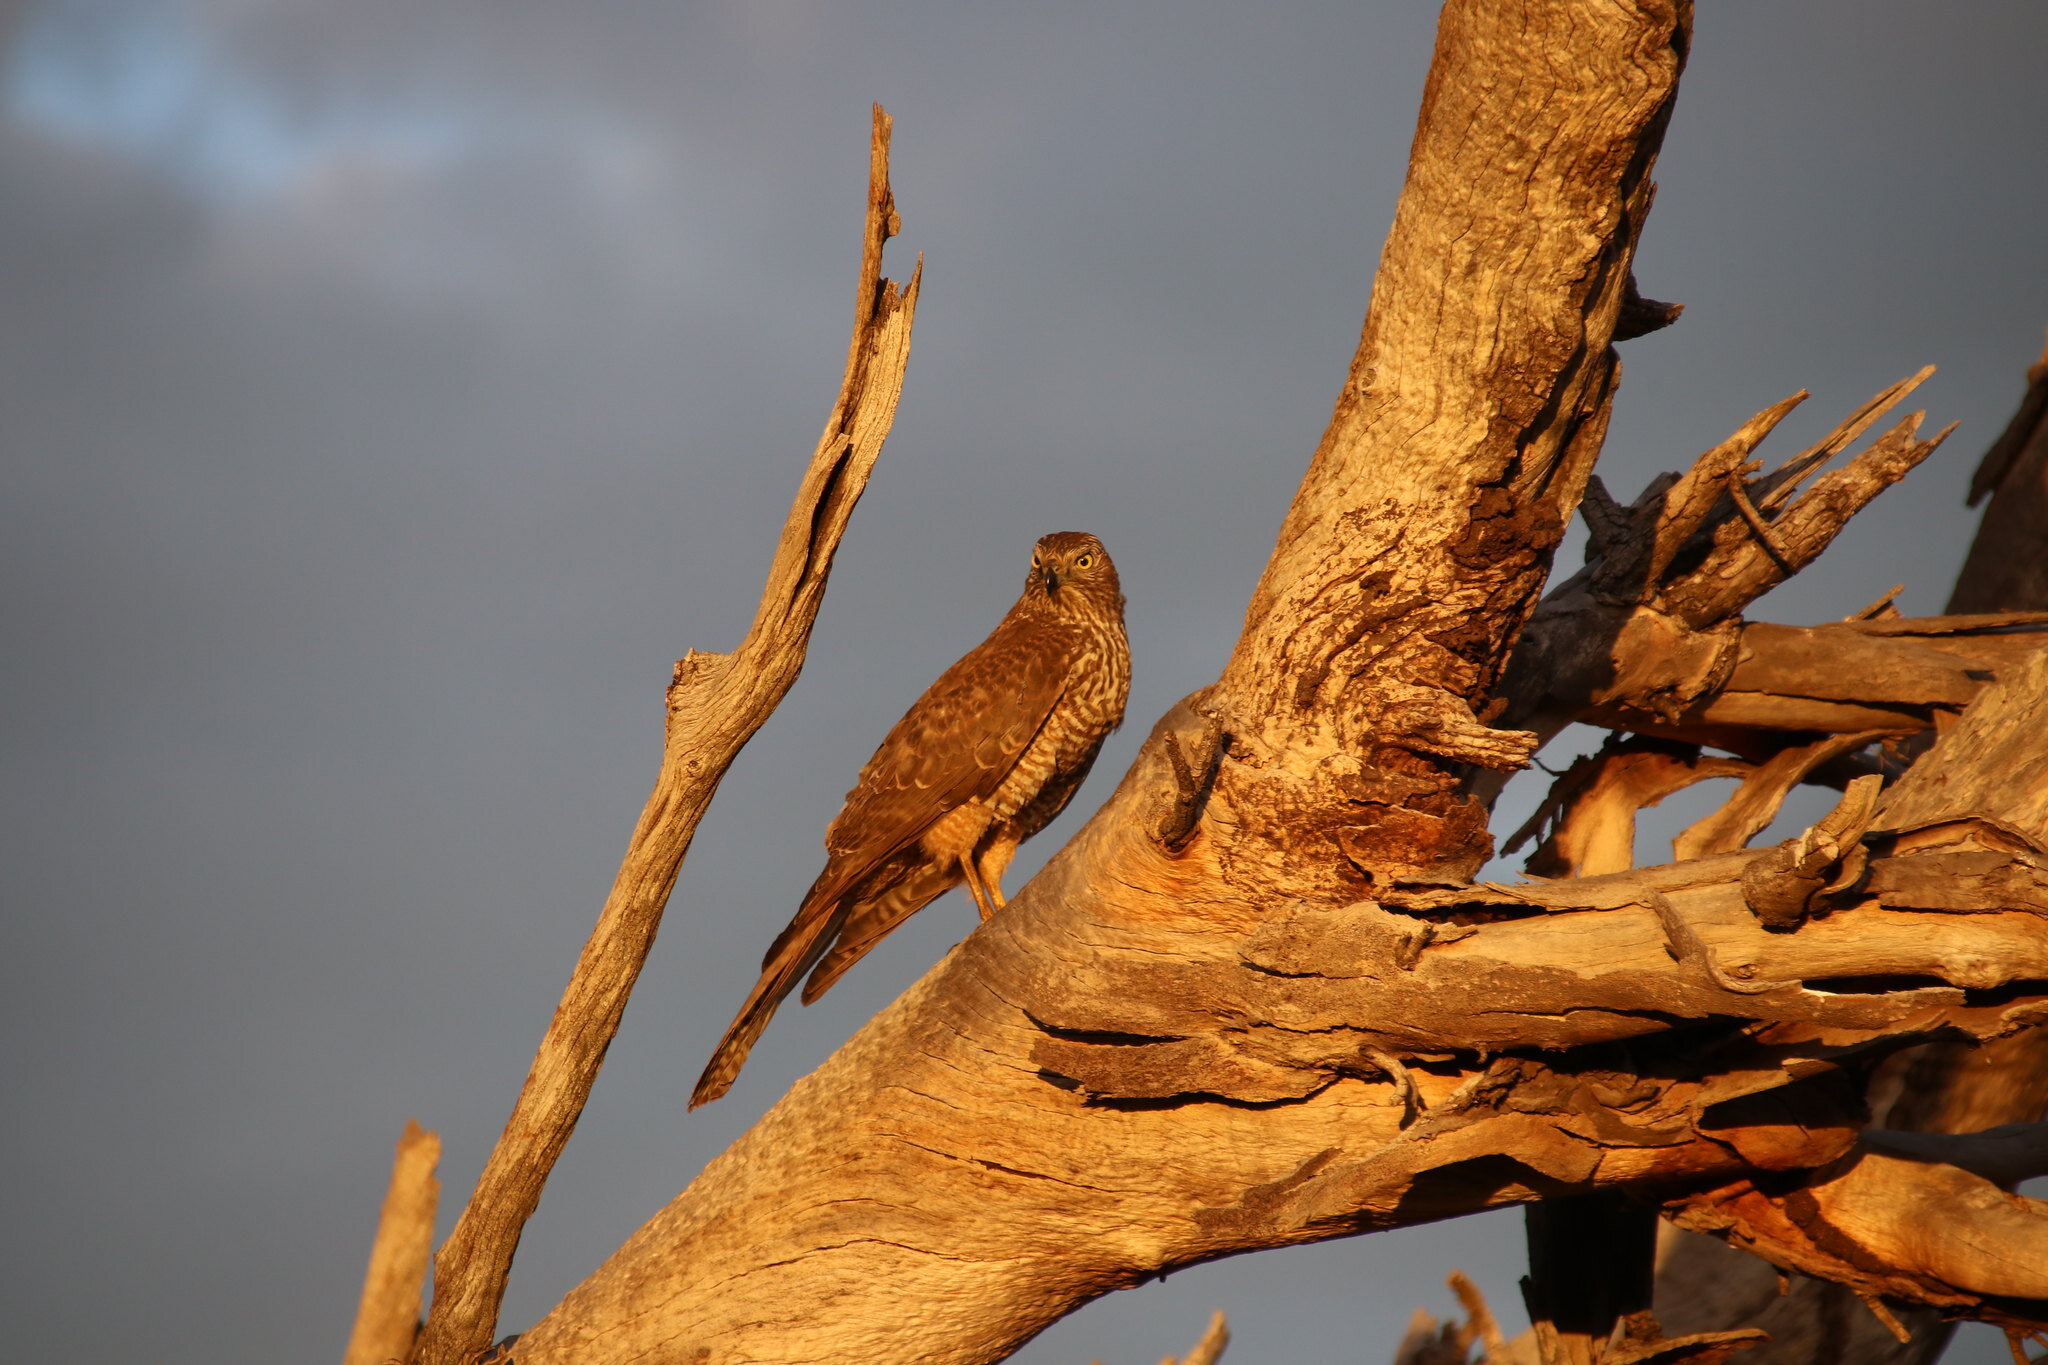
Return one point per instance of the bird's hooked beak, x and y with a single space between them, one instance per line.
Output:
1051 573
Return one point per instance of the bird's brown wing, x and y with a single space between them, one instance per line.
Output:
956 744
882 907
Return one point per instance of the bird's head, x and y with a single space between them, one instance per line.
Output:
1070 569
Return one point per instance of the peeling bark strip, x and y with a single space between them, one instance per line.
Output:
715 704
1256 1001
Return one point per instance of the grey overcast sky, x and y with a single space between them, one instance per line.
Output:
392 391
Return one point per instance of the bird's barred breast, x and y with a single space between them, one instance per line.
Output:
1092 706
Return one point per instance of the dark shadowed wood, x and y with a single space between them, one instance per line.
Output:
2007 569
1941 1088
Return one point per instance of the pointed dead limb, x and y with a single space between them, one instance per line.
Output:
715 704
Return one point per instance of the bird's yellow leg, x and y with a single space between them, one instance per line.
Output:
975 887
990 862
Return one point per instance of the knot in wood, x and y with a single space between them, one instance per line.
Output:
1779 891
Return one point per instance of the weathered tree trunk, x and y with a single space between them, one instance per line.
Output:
1256 1001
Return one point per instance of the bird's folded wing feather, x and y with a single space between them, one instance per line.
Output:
955 745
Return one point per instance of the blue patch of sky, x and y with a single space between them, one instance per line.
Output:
141 80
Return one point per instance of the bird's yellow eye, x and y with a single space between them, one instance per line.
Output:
1035 564
1084 561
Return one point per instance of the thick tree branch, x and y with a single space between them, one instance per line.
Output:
715 704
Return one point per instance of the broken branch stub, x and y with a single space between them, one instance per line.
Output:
1648 635
388 1314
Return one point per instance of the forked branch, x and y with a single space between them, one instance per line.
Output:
1648 635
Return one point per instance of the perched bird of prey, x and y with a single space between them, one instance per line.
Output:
986 758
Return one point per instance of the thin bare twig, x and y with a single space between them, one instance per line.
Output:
715 704
1757 525
1479 1318
1209 1349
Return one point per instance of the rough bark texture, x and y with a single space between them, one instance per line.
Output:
1256 1000
715 704
2008 565
1940 1088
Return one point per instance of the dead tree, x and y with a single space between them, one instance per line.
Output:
1258 999
1946 1087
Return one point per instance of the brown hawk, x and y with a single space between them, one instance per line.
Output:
986 758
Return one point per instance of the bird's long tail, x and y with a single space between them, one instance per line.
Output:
809 935
871 919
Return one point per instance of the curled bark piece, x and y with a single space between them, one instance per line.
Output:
1756 802
1781 886
1687 950
1401 1076
1194 773
1592 808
